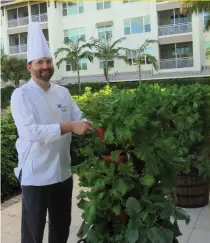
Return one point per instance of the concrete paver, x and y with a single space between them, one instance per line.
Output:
198 230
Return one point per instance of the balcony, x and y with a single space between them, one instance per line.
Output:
18 22
182 62
39 17
178 55
17 49
175 29
172 22
20 16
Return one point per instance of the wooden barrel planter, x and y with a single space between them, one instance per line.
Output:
192 191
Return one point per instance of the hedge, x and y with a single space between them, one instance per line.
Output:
9 183
73 88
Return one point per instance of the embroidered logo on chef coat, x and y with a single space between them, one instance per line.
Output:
63 107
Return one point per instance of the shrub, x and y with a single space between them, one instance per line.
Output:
9 183
96 86
150 135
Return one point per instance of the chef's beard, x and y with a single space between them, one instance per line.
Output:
45 75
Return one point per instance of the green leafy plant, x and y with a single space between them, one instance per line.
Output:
13 69
9 183
149 134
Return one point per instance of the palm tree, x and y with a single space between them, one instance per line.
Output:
190 7
140 55
74 53
106 51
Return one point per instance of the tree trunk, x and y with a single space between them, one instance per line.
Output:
139 73
106 71
79 83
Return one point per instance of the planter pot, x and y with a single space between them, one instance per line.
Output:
100 132
121 159
192 191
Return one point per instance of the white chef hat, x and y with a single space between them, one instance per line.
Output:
37 46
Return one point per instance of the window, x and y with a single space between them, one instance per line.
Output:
73 7
82 65
179 18
182 51
207 50
103 4
137 25
133 55
105 32
110 63
74 34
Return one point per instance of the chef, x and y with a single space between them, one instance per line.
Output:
45 116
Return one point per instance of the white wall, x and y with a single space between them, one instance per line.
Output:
117 13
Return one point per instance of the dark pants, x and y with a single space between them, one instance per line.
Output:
36 200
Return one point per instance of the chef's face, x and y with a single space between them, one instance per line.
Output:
42 68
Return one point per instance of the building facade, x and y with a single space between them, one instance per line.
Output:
182 41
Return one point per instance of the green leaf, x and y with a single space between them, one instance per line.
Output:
116 209
158 235
132 235
133 206
115 154
88 151
90 176
124 168
142 236
83 230
167 211
144 215
121 187
175 229
182 215
147 180
90 213
99 185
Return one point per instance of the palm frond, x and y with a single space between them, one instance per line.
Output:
118 41
61 60
61 50
153 61
144 46
190 7
87 54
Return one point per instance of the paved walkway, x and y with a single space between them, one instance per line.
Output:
198 230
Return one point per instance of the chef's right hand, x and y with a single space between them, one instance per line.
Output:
82 127
77 127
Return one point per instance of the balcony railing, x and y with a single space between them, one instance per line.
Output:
18 22
16 49
182 62
39 17
174 29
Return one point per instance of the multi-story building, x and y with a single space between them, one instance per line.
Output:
181 47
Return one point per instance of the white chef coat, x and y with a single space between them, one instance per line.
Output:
43 153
